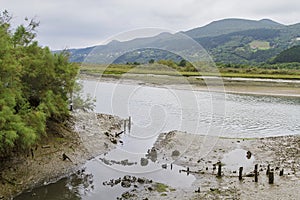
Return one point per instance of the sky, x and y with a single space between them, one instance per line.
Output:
83 23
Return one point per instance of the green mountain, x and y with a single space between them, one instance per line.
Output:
236 41
226 26
289 55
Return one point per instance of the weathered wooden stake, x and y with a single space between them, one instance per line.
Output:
125 126
256 173
271 177
219 169
268 170
241 173
32 154
129 124
281 173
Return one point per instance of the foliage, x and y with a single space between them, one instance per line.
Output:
35 86
79 101
287 56
264 70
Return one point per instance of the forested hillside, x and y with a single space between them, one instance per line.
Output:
35 86
289 55
231 41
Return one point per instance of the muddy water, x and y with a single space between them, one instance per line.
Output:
155 110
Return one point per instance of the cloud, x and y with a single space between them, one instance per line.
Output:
78 23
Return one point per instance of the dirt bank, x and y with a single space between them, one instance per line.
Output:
204 152
80 139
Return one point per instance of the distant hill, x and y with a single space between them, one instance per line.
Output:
289 55
226 26
227 41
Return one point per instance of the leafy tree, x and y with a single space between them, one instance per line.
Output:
35 86
182 63
151 61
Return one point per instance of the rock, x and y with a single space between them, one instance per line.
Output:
117 181
175 153
127 195
144 161
141 180
125 184
127 178
164 166
152 154
249 154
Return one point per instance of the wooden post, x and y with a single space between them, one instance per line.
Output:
268 170
281 173
125 126
219 169
256 173
240 173
129 124
271 177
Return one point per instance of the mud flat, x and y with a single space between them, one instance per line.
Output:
273 87
83 137
200 155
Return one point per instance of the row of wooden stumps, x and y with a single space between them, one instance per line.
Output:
269 173
127 123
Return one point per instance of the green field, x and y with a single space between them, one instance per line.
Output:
156 69
260 45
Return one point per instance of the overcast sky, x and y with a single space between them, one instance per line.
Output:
82 23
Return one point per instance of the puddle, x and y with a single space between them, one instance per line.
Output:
237 158
128 158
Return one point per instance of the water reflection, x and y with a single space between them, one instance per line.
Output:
69 188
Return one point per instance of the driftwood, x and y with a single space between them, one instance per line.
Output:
118 134
65 157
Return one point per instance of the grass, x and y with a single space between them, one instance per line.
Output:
260 45
160 187
117 70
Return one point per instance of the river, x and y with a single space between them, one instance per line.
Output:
154 110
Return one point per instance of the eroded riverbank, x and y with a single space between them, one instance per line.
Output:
81 139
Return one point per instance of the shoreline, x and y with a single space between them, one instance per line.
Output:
79 140
191 83
278 152
83 142
213 148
